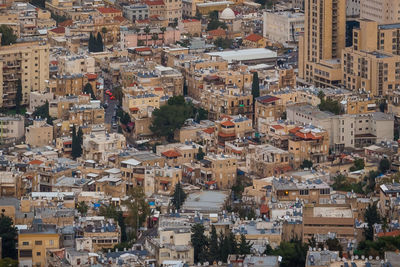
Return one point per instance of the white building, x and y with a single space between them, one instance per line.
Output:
283 27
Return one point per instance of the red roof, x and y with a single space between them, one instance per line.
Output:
236 151
139 179
217 32
264 209
226 135
143 49
190 20
164 182
134 109
119 18
58 30
209 130
210 182
171 154
66 23
253 37
277 127
155 3
143 21
158 89
35 162
91 76
227 123
295 130
308 136
67 142
108 10
392 233
54 62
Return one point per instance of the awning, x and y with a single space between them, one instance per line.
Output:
210 182
164 182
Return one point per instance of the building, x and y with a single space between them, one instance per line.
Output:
283 27
269 108
34 242
12 128
192 26
100 146
250 56
221 169
26 61
39 134
383 11
323 40
136 12
254 41
328 218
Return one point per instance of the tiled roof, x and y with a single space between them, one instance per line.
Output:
277 127
66 23
264 209
253 37
267 99
209 130
227 123
392 233
58 30
119 18
91 76
108 10
171 154
35 162
143 49
190 20
217 32
155 3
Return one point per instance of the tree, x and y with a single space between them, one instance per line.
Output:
76 143
7 35
147 31
214 249
330 105
82 208
358 164
179 196
138 208
38 3
18 97
163 30
199 243
104 31
115 213
255 87
371 217
293 253
200 154
333 244
154 37
43 112
384 165
8 262
244 245
306 164
118 94
88 89
92 43
170 117
99 43
8 234
79 138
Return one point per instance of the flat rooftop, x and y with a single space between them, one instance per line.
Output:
333 212
206 201
245 54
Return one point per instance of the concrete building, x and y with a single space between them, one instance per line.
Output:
27 61
323 40
353 8
269 108
136 12
219 170
12 128
39 134
283 27
382 11
346 130
100 146
328 218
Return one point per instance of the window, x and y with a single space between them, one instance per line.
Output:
38 242
325 191
51 242
37 253
25 253
304 192
25 243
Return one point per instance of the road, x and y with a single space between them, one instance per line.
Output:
110 110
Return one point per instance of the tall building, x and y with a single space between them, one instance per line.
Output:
27 62
323 40
381 11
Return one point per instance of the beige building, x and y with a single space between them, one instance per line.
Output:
268 108
219 170
323 40
12 128
311 191
39 134
100 146
382 11
24 61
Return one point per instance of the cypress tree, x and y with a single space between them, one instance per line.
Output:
79 139
244 245
91 43
255 87
214 249
99 42
18 96
179 196
75 151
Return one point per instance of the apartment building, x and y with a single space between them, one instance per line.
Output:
33 243
219 170
140 106
308 143
310 191
100 146
230 128
27 62
346 130
76 64
192 26
268 108
382 11
323 40
39 134
10 19
12 128
267 160
136 12
283 27
328 218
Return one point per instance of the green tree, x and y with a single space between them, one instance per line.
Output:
214 248
170 117
92 43
244 245
99 43
255 87
200 154
147 31
233 245
115 213
43 112
118 94
8 234
384 165
88 89
179 196
138 208
371 217
82 208
18 97
7 35
79 139
333 244
163 30
213 15
8 262
358 164
293 253
306 164
199 243
38 3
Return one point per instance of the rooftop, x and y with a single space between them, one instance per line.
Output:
206 201
333 212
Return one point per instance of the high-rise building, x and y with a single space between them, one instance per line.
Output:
27 62
323 40
381 11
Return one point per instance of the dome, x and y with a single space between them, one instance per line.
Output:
227 14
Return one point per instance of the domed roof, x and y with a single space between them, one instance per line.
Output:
227 14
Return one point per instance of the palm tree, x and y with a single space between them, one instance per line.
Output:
147 31
163 30
104 31
154 37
